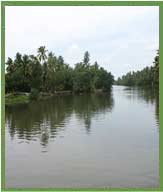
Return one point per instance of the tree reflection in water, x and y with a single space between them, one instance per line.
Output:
45 119
147 94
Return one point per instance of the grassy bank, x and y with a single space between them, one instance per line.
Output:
21 97
16 99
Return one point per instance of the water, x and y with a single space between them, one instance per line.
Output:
86 141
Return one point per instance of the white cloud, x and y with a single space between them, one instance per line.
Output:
115 36
73 54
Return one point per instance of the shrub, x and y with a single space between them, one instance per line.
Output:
34 95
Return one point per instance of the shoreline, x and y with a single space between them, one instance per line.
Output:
23 97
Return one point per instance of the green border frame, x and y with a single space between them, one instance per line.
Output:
79 3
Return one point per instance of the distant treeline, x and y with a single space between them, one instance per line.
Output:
48 73
149 76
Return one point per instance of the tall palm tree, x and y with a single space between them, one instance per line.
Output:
25 67
42 54
10 65
18 60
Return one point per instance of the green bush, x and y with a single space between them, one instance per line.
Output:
34 95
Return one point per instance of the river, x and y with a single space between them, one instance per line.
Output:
86 141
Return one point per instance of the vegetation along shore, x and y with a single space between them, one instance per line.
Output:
47 74
30 77
149 76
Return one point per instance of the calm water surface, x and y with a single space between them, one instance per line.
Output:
104 140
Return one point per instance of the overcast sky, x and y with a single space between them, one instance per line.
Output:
120 39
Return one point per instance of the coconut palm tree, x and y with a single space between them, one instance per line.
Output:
42 54
25 69
10 65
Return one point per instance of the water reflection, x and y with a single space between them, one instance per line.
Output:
84 140
157 108
45 119
88 106
149 95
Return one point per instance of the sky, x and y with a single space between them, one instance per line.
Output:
120 39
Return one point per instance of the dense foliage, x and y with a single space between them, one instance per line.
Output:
49 73
149 76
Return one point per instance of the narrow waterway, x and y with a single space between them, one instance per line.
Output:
86 141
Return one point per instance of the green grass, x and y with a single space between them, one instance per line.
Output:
16 99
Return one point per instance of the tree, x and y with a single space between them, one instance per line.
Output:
104 80
50 73
18 60
10 65
36 75
52 65
86 58
156 69
25 72
149 76
60 62
42 54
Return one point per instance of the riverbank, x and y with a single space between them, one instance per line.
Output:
22 97
16 99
